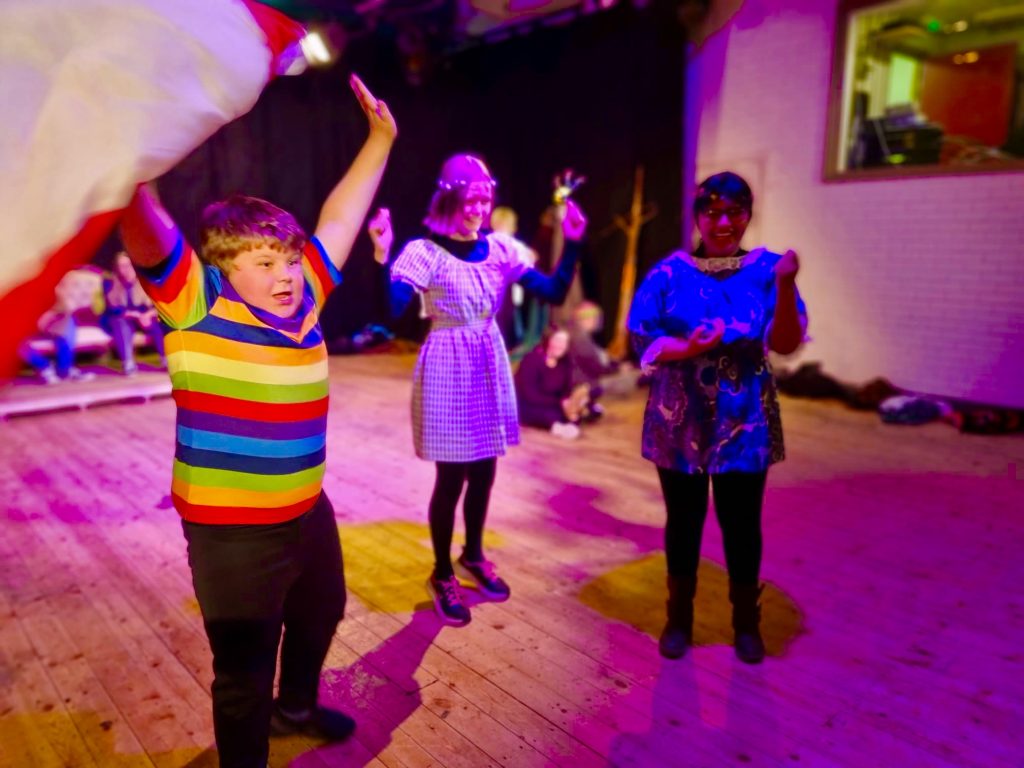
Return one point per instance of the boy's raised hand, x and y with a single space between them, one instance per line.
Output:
148 232
382 122
344 211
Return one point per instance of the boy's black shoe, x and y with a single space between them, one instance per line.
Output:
320 723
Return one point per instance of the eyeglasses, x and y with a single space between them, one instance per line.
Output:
732 213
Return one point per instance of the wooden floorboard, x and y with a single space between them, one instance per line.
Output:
29 395
892 614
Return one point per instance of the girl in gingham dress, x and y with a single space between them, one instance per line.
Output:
463 404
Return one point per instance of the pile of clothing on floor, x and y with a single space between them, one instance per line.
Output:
896 406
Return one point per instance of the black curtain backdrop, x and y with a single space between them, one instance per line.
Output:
601 95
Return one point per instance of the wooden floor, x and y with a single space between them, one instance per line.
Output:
894 616
27 394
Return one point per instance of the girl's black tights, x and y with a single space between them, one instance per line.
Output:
477 477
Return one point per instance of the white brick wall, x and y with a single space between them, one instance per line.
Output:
918 280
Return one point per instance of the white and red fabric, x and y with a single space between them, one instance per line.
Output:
99 96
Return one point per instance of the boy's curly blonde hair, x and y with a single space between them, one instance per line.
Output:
240 223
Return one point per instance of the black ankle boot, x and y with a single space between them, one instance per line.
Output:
678 633
746 622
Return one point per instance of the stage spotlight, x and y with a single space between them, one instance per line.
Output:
315 49
323 44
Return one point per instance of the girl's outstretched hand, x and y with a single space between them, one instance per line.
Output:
574 223
381 234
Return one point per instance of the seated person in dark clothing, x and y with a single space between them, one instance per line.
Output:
590 361
547 396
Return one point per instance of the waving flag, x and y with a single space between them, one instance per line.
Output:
99 96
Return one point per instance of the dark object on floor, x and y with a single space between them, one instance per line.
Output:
910 410
978 420
871 395
809 381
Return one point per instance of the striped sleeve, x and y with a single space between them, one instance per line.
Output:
320 273
178 287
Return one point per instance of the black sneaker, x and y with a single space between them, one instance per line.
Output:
749 647
448 601
492 586
674 642
320 723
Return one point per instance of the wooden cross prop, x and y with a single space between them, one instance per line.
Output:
639 214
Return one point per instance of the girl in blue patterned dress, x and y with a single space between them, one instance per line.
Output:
463 404
703 325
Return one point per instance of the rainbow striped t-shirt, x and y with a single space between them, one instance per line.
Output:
251 391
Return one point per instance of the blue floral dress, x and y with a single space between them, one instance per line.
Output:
719 411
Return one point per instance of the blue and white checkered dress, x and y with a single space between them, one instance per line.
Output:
463 399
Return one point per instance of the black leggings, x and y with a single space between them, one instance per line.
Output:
478 477
738 500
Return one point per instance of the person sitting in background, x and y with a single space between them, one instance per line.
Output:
511 318
544 386
57 325
128 309
546 246
591 364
